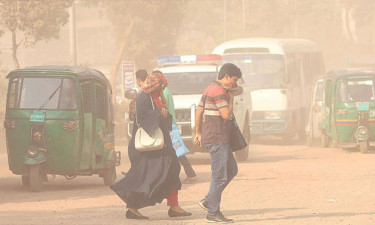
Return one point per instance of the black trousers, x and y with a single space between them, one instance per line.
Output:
187 166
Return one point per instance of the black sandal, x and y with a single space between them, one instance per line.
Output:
131 215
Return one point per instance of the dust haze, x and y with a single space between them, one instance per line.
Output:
280 183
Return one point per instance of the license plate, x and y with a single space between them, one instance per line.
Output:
37 116
363 106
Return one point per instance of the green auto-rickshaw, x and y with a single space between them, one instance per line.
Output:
347 113
59 121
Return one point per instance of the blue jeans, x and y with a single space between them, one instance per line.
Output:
224 169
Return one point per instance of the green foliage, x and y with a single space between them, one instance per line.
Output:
36 19
155 30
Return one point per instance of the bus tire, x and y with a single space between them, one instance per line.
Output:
36 178
243 154
109 175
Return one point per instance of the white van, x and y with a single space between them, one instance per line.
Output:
279 74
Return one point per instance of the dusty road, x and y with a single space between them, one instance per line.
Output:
278 185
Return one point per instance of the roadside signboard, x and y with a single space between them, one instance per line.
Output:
128 74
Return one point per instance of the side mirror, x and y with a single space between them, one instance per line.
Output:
131 94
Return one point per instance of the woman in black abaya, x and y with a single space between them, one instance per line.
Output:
153 175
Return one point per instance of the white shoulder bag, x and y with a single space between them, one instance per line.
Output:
145 142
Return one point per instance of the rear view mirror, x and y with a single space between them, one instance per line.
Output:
131 94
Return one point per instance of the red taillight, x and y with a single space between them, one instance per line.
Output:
71 125
9 124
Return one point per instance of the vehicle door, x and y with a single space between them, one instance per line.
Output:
87 156
328 104
317 109
99 122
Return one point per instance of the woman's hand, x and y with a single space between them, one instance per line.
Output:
164 112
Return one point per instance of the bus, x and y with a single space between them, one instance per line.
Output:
279 74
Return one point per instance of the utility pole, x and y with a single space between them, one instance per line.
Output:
72 34
244 14
295 18
225 20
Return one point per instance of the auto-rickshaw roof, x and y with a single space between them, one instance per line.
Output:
349 73
82 73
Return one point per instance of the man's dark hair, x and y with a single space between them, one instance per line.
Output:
230 69
141 74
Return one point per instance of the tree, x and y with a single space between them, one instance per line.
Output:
35 20
144 29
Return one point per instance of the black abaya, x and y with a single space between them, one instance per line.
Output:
153 175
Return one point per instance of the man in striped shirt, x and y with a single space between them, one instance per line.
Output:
216 106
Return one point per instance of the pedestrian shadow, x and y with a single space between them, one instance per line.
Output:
270 140
272 159
307 216
242 212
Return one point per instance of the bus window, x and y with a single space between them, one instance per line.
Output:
307 69
259 70
291 68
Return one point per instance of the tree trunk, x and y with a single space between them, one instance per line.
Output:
14 48
118 59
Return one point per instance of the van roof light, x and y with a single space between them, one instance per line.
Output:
188 59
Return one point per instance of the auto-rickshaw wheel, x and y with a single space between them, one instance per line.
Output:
324 141
109 176
36 178
25 181
363 146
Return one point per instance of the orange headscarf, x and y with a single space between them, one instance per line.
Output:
154 83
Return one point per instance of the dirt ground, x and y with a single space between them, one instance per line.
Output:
278 185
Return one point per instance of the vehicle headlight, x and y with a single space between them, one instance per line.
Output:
32 152
272 115
362 131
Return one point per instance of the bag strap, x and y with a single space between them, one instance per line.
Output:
135 106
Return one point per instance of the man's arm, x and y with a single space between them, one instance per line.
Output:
226 112
198 126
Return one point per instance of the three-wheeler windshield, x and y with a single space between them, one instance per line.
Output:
42 93
356 91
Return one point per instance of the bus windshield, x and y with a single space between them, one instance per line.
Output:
189 83
356 91
259 70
